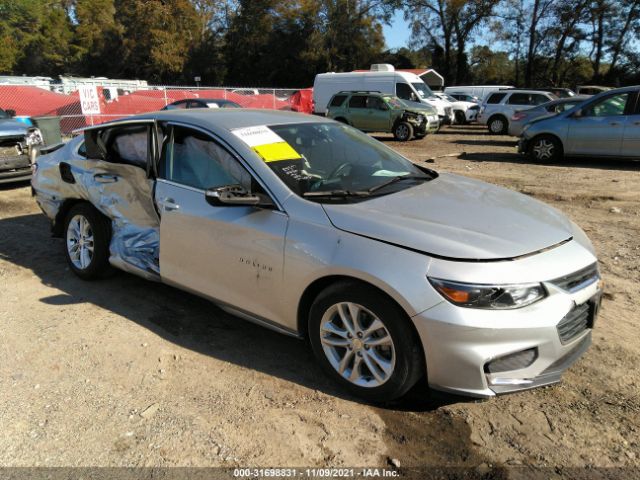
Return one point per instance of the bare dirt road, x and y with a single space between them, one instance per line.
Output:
124 372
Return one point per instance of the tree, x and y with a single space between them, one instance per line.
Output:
449 24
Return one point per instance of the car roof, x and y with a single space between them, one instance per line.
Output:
232 118
522 90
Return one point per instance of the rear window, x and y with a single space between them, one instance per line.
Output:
496 97
359 101
337 100
519 99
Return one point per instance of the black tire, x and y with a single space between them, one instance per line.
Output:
409 357
545 149
100 227
498 125
461 118
402 131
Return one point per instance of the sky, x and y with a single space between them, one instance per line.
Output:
397 34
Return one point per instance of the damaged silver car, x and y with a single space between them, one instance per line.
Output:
307 226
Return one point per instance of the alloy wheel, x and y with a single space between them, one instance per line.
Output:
402 132
357 344
80 242
543 149
497 126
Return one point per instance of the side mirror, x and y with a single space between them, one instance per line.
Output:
577 114
231 195
413 97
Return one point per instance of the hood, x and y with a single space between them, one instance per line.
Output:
417 107
456 217
11 128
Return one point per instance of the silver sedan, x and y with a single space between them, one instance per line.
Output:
304 225
549 109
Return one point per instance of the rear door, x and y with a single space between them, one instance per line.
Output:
358 114
600 127
231 254
118 179
631 139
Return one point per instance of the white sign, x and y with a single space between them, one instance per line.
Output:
89 101
256 136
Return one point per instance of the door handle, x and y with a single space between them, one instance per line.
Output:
615 124
636 123
168 204
105 178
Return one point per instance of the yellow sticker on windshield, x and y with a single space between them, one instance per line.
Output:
274 152
266 143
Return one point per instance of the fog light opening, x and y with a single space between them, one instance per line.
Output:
512 361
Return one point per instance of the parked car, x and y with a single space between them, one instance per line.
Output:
480 91
377 112
307 226
549 109
606 125
463 112
404 85
500 106
202 103
557 91
17 139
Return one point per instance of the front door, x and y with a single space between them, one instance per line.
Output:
599 128
232 254
377 115
631 139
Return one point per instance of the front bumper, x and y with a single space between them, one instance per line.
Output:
523 145
15 168
462 345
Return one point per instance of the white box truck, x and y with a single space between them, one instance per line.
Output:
381 78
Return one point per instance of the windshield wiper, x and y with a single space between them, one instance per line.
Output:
397 179
335 193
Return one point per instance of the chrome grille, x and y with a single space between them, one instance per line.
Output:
578 280
574 323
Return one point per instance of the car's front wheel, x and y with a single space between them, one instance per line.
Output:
403 131
545 148
498 125
365 342
87 236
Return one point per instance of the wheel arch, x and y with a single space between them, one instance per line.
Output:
57 227
320 284
548 134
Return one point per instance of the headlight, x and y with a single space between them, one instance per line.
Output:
34 137
494 297
420 118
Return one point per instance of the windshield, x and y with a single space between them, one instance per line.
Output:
339 158
423 90
394 102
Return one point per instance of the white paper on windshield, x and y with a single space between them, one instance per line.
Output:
266 143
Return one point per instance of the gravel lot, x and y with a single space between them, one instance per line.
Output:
124 372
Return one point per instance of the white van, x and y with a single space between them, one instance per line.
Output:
383 79
480 91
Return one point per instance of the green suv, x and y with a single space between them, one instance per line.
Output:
379 112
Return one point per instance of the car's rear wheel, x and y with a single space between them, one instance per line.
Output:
545 148
403 131
365 342
87 236
498 125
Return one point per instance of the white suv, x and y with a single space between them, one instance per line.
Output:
499 106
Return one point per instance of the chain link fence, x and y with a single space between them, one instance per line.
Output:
120 101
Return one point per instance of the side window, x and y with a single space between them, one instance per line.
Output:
375 103
403 91
519 99
196 104
358 101
192 158
82 150
337 100
127 144
608 106
496 97
538 99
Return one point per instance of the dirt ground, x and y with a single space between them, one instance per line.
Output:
125 372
